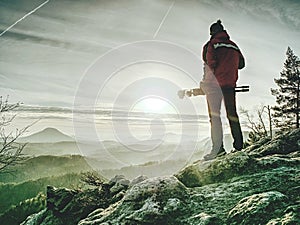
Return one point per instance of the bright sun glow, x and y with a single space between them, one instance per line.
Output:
152 105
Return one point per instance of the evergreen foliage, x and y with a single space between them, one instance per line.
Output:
286 112
18 213
12 194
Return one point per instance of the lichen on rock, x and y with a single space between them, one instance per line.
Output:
291 216
152 201
257 209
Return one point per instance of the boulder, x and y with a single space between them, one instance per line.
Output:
68 207
160 200
257 208
282 143
117 184
137 180
217 170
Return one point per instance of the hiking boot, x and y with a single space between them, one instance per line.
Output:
213 154
222 152
238 146
235 150
210 156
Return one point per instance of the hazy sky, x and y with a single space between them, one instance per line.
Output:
45 56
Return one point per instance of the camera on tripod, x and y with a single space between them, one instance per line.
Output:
199 91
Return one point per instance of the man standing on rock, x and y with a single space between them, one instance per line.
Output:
222 59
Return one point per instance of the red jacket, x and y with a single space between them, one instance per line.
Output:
224 58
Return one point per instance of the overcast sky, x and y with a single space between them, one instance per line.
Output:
46 55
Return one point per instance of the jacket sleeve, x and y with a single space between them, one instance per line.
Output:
204 52
211 56
241 61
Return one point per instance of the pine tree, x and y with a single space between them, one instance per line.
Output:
286 112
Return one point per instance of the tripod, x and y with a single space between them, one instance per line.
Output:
199 91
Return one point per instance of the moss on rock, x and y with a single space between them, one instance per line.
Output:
217 170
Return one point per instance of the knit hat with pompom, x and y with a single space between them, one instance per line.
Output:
216 27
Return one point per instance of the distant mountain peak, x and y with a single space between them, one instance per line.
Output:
51 130
47 135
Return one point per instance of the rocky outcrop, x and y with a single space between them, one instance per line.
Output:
218 170
282 151
160 200
68 207
259 185
282 144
